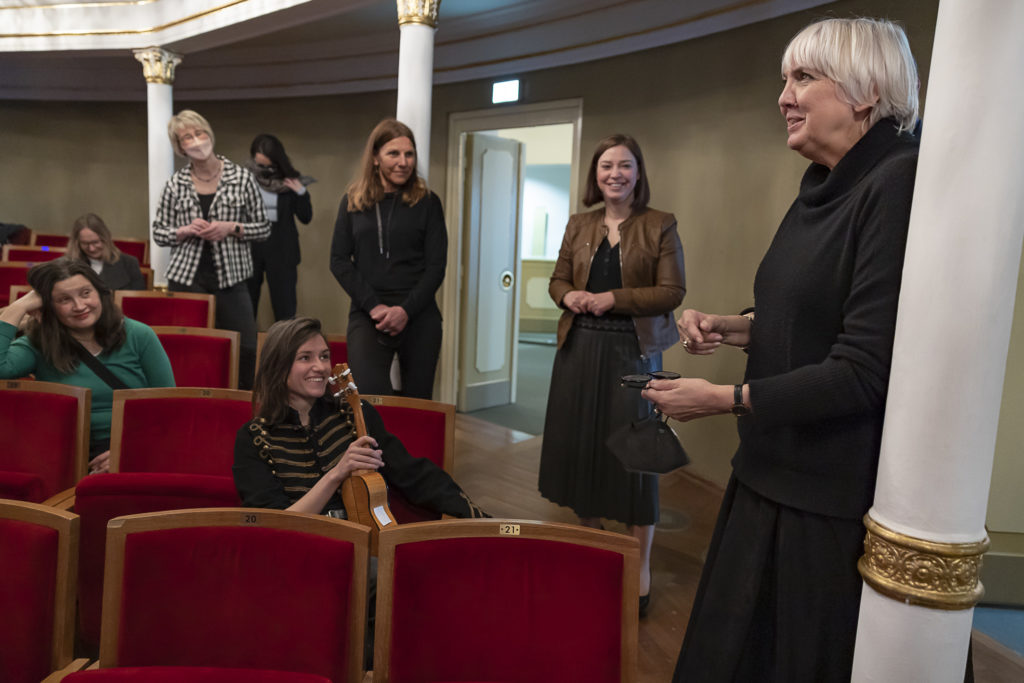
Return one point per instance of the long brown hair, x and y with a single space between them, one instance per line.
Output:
270 389
111 254
641 193
367 189
49 335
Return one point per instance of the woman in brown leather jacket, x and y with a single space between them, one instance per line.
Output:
618 278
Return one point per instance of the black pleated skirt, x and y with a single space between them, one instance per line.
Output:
779 596
586 403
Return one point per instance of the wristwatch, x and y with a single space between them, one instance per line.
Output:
238 229
738 408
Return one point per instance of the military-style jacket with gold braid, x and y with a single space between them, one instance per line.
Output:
275 465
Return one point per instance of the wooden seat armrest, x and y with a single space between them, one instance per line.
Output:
75 665
65 500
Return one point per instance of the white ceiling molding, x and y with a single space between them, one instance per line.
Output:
289 48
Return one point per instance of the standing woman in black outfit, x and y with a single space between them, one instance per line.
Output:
779 596
389 254
618 277
285 199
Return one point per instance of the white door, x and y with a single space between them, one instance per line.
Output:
490 320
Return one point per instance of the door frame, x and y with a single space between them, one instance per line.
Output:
513 116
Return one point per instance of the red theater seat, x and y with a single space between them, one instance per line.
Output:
38 553
236 588
505 600
45 428
184 429
101 497
427 430
137 248
27 254
43 239
186 309
11 274
200 356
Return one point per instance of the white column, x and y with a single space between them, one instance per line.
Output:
158 68
953 330
417 20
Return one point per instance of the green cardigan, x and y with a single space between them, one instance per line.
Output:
140 363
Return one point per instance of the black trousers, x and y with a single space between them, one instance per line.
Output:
370 353
234 312
281 281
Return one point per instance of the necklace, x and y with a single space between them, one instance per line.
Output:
220 167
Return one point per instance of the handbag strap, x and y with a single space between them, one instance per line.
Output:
101 370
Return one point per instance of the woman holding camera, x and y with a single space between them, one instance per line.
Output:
618 278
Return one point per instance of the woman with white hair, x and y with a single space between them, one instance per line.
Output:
779 595
209 212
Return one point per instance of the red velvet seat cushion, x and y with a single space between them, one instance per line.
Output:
189 674
101 497
236 597
192 436
22 486
166 311
28 556
39 439
198 361
422 432
11 274
505 609
136 248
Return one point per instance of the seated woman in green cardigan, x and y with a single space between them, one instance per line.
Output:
72 315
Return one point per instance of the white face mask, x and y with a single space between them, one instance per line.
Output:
199 150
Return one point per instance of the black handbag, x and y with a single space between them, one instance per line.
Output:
647 445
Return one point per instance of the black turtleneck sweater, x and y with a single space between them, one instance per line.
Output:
821 345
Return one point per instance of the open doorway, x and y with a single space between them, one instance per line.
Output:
512 186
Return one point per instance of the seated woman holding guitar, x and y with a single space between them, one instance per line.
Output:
303 444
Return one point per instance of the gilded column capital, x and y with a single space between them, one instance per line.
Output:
157 64
919 572
418 12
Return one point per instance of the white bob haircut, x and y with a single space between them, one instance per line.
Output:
186 118
866 58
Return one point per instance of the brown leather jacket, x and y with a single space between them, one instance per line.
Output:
653 277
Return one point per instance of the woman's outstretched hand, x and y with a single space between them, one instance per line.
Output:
702 333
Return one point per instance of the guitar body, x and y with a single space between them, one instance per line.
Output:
364 492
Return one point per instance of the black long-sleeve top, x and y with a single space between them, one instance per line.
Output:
401 262
821 343
275 465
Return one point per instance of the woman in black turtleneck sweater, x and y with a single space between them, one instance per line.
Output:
779 596
389 254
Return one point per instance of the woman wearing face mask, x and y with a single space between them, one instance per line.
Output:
77 335
285 199
92 243
389 254
209 212
618 277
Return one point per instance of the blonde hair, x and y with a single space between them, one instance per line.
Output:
866 58
111 254
367 189
186 118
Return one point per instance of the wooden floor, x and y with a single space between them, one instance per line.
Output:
498 468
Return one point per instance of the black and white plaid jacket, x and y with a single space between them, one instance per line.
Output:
237 200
